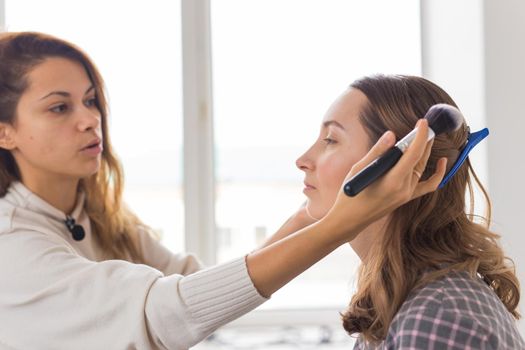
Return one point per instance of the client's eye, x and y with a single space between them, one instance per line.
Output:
329 141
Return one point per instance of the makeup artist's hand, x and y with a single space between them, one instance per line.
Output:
350 215
273 266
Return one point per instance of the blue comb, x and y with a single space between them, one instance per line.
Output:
472 140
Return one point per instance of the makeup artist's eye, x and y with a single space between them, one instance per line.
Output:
61 108
91 102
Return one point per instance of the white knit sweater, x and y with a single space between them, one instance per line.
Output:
57 293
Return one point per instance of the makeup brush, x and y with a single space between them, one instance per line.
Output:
442 118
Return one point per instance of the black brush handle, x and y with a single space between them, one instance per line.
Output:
373 171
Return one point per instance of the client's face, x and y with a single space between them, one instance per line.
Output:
341 143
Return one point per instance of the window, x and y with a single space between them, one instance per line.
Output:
277 67
138 51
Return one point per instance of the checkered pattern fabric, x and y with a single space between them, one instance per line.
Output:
455 312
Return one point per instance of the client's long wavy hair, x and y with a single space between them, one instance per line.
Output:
113 225
431 233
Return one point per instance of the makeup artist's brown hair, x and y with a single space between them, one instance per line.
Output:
112 223
432 235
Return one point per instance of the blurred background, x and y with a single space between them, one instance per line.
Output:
213 101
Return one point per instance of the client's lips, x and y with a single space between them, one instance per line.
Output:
308 186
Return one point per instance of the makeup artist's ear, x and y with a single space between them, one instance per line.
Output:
6 140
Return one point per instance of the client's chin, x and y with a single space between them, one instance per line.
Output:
313 212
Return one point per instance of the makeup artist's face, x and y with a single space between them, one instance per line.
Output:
57 130
341 143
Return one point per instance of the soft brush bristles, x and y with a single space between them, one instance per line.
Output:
444 118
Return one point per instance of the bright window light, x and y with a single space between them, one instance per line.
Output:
277 66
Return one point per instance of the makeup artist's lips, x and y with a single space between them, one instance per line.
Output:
93 148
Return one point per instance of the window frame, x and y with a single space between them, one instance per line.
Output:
198 143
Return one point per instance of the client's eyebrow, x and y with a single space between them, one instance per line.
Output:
332 122
64 93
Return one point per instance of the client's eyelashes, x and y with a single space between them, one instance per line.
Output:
329 141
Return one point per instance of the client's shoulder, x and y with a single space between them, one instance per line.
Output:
456 292
456 303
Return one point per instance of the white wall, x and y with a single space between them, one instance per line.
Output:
504 96
2 15
452 57
475 49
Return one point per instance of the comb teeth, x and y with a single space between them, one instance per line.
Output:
444 118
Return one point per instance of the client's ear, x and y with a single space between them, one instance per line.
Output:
6 140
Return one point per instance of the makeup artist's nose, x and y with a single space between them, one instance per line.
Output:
90 119
305 162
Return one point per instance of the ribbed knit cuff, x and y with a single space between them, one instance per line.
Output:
220 294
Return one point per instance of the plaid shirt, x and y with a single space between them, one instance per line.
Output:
454 312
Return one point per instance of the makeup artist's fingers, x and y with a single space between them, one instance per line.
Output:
421 165
385 142
414 152
432 183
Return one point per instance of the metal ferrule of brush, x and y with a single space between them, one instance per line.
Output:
407 140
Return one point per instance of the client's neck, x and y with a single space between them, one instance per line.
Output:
369 237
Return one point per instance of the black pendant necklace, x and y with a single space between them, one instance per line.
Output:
77 231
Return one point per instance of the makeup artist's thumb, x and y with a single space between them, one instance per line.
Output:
385 142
